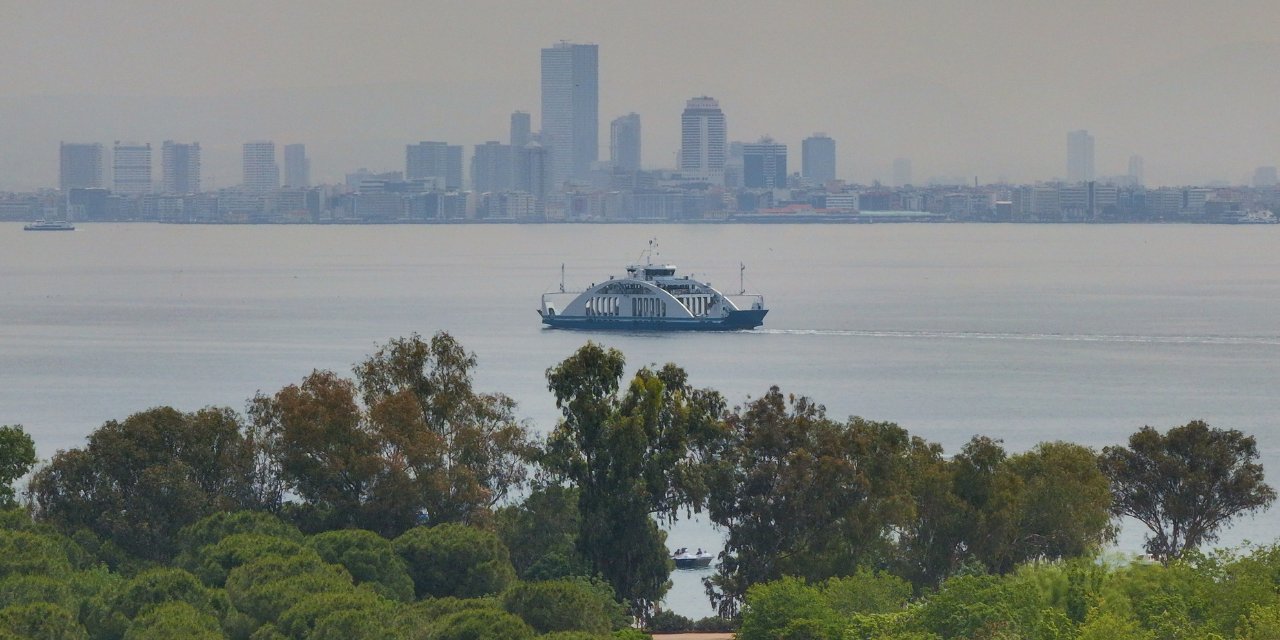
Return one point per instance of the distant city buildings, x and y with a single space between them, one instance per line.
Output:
179 168
491 167
520 130
261 173
624 142
764 165
703 137
1079 156
570 106
131 168
297 166
1137 173
901 172
79 166
818 158
438 160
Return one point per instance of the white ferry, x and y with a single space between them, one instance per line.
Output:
651 297
49 225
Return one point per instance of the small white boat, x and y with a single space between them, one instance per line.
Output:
686 559
49 225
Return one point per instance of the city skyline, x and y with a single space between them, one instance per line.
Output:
950 92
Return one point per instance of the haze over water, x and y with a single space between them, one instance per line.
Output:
1026 333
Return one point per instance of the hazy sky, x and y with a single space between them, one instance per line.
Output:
985 89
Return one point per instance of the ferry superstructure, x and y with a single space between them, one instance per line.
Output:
651 297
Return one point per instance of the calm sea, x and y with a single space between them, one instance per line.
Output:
1025 333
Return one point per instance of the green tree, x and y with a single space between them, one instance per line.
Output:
481 624
41 621
212 563
455 560
369 558
300 620
782 607
559 605
268 586
1063 503
460 452
138 482
800 494
215 527
17 455
633 456
542 534
1186 484
177 619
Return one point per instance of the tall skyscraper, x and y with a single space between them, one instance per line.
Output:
434 160
1079 156
818 158
702 139
79 166
179 168
764 165
131 168
520 129
491 167
570 106
624 142
535 174
901 172
261 173
1136 172
297 166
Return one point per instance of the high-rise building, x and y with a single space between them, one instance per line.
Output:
1264 177
261 173
491 167
764 165
434 160
79 166
901 172
818 158
702 139
570 106
179 168
1079 156
520 129
297 166
624 142
535 174
1136 171
131 168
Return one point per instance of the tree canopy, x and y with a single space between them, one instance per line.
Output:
1186 484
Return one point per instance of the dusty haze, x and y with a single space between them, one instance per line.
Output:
962 91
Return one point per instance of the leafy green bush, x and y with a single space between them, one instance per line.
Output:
455 560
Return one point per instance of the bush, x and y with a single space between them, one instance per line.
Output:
558 605
481 624
370 558
669 622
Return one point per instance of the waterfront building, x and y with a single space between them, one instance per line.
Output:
902 172
703 137
818 158
179 168
764 165
297 166
491 168
79 166
1079 156
131 168
570 106
434 160
535 173
624 142
261 173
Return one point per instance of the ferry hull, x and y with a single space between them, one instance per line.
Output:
740 320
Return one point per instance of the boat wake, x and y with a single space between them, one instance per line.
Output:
1039 337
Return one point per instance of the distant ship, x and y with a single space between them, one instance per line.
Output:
49 225
651 297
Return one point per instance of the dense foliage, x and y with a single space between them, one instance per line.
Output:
398 504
